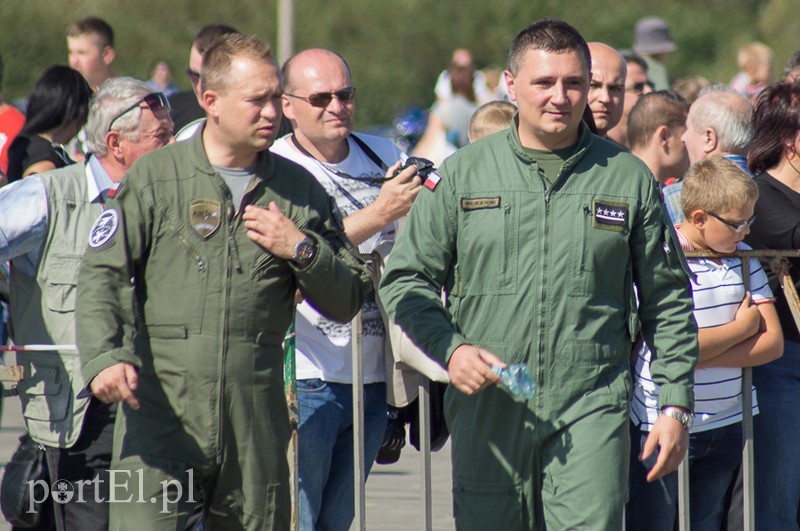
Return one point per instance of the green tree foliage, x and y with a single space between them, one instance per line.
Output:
396 48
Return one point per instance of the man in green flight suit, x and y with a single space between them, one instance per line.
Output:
537 236
184 296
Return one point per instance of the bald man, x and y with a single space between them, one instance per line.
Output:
320 100
607 87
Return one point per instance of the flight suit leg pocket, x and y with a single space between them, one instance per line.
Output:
482 505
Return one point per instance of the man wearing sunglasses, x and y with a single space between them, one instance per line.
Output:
636 84
186 110
218 235
320 101
44 225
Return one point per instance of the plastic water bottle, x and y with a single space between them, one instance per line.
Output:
517 379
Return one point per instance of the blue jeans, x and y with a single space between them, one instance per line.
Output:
714 456
776 439
325 449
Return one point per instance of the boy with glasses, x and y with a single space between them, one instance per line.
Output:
737 328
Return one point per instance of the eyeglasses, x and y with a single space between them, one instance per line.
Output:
193 76
738 227
639 86
155 101
323 99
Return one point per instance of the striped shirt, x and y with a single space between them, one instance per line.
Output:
718 292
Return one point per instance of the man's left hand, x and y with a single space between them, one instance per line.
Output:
672 440
273 231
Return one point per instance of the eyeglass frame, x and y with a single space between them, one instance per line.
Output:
640 85
161 100
738 227
327 96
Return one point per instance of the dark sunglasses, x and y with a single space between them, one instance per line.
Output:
323 99
639 87
738 227
155 101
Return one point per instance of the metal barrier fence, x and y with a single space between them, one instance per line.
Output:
778 264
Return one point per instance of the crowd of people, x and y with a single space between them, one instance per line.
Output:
174 237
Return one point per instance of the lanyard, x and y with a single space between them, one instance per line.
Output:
370 181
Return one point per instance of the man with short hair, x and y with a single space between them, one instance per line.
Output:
607 87
185 105
655 130
719 123
44 227
185 294
636 84
357 170
537 236
90 42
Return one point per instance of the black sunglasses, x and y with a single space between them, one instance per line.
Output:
155 101
639 86
738 227
323 99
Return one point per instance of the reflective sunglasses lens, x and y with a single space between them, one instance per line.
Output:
320 99
156 101
346 95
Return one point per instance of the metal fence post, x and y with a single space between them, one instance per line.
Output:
359 475
748 470
425 451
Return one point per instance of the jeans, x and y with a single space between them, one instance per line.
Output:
776 436
325 449
714 457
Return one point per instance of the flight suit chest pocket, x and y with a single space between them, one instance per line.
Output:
488 242
601 233
62 281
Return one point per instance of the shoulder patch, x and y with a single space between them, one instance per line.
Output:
610 215
104 228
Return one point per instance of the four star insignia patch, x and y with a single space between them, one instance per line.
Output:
610 215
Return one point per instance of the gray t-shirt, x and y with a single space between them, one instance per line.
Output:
237 180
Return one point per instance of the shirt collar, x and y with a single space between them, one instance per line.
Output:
97 179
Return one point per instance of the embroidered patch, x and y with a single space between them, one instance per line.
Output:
205 216
480 203
104 228
432 181
610 215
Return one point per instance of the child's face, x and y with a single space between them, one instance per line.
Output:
717 232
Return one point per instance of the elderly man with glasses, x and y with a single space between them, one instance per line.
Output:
319 99
45 222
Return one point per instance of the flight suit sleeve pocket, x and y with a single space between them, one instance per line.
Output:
482 505
61 286
167 331
45 395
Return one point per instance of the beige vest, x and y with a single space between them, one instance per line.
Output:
42 312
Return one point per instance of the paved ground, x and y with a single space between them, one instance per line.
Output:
394 492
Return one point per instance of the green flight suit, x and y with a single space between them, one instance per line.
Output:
171 283
543 274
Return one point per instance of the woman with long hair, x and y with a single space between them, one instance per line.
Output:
57 109
774 160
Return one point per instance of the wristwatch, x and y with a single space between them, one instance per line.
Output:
685 418
304 252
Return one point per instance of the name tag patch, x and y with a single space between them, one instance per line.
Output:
479 203
610 215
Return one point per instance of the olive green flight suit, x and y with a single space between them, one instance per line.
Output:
171 283
543 274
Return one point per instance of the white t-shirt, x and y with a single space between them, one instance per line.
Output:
717 291
323 346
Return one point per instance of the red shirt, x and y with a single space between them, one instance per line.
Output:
11 122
